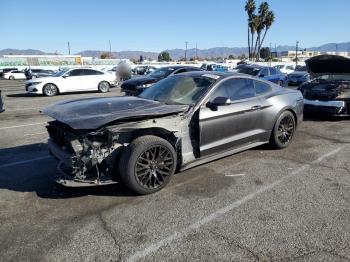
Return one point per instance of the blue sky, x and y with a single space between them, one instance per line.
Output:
155 25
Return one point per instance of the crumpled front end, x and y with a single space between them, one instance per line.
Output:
86 158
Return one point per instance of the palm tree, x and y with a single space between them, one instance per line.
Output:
250 9
262 14
254 24
269 20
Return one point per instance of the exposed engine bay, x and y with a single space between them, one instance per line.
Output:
84 155
325 90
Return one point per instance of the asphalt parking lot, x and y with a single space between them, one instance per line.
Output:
259 205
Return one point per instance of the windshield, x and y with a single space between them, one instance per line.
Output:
162 72
60 73
179 90
249 71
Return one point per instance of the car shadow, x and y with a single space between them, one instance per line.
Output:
24 175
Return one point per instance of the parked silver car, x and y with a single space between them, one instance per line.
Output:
180 122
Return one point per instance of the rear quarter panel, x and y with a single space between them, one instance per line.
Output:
277 102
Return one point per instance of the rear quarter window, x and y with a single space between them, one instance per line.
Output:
261 87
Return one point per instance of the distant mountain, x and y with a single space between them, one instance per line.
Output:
180 53
9 51
333 47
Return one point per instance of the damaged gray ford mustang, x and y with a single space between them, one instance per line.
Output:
180 122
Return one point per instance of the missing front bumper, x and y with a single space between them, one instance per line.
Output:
68 180
326 107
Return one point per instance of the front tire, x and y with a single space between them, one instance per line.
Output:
147 164
12 78
283 131
103 87
50 90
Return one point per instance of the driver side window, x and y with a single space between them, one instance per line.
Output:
235 89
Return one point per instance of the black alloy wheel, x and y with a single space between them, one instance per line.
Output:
147 164
154 166
284 129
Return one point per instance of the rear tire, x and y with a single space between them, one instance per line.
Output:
283 131
103 87
50 90
147 164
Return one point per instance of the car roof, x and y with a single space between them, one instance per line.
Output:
214 74
179 66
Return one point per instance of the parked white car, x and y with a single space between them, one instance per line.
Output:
14 74
286 69
72 80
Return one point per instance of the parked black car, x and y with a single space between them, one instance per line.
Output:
2 109
329 91
6 70
137 85
36 73
143 70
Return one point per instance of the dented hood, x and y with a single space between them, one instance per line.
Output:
328 65
92 113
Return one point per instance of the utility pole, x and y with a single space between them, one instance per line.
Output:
110 49
196 52
68 48
296 54
270 54
186 43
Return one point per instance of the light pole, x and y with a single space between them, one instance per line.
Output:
296 54
68 48
196 52
186 43
110 49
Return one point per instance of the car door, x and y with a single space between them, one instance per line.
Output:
72 81
265 119
91 78
229 126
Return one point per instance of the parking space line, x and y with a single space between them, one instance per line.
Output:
35 134
235 175
24 108
25 161
34 124
222 211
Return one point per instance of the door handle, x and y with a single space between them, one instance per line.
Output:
257 107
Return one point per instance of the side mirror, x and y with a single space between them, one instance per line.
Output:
65 76
261 76
218 101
